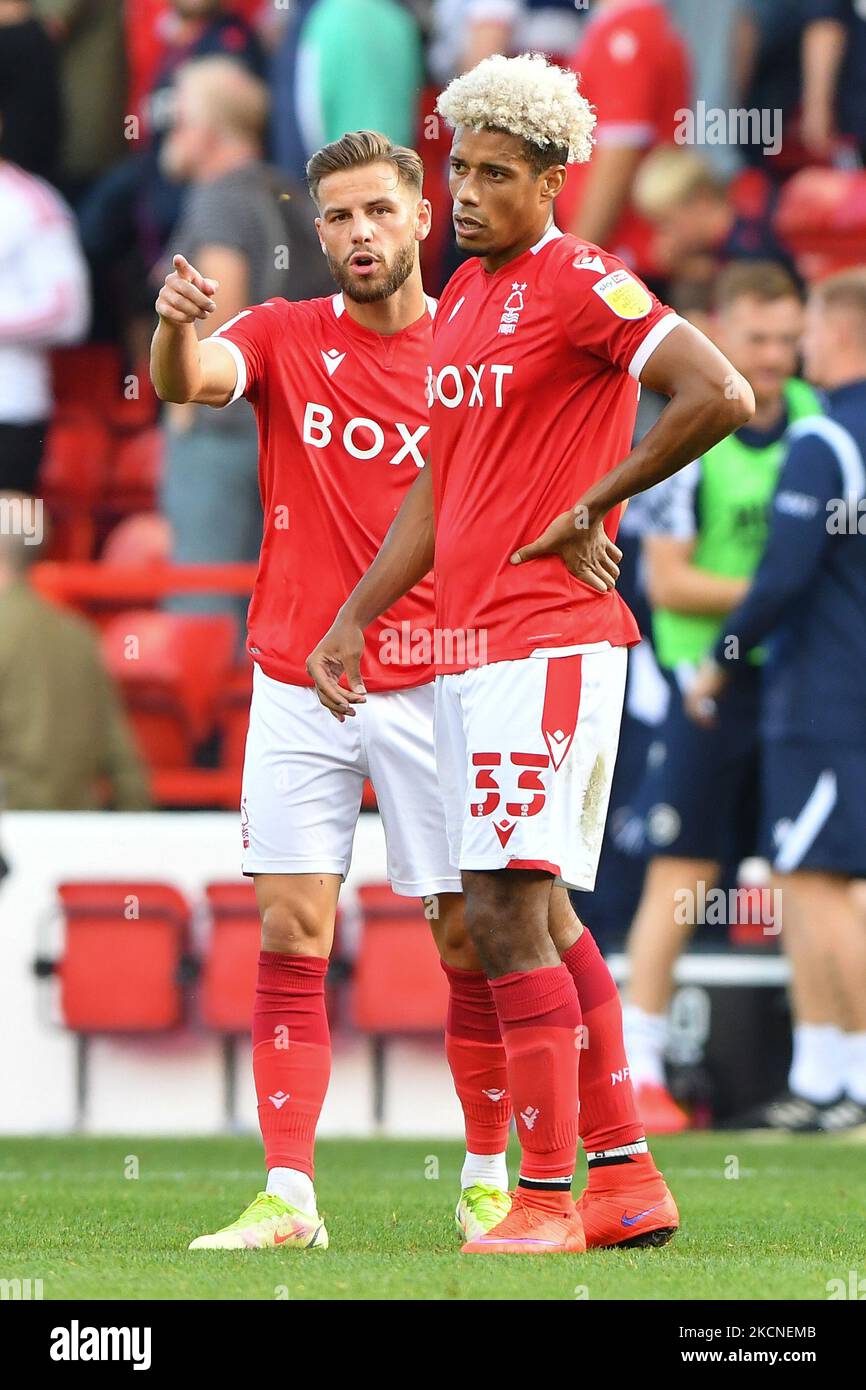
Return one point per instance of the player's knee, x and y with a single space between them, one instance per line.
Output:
507 921
448 924
292 926
487 924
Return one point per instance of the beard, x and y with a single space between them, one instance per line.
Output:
395 275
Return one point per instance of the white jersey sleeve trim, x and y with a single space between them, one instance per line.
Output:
240 363
843 445
656 335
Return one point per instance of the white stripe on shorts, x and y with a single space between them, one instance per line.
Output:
806 828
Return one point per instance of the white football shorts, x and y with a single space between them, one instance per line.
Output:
304 777
525 752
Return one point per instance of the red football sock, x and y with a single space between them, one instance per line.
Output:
539 1016
608 1114
476 1056
291 1056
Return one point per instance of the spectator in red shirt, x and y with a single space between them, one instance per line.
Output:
634 69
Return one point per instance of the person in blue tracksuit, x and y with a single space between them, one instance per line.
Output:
808 602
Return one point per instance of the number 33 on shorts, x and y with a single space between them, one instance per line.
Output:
525 752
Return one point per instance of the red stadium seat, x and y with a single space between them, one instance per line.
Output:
103 452
231 960
233 716
71 478
75 461
399 985
141 539
124 944
85 378
134 471
170 667
202 788
750 192
821 216
134 405
229 974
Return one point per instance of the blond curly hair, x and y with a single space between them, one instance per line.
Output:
525 96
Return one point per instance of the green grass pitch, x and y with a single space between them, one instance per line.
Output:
70 1216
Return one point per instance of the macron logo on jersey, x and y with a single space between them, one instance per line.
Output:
332 359
584 261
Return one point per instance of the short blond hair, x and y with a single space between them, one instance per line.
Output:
669 177
356 150
846 290
528 97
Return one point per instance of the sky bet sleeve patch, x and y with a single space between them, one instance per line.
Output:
624 295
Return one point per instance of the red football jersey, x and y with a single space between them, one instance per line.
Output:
533 393
633 67
343 430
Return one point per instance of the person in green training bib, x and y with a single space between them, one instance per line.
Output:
698 800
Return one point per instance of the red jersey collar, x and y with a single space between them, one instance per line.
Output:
552 234
338 305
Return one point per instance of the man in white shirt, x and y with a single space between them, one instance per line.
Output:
44 303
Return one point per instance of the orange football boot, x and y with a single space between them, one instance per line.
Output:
531 1229
628 1205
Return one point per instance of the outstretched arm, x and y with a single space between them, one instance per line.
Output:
183 369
